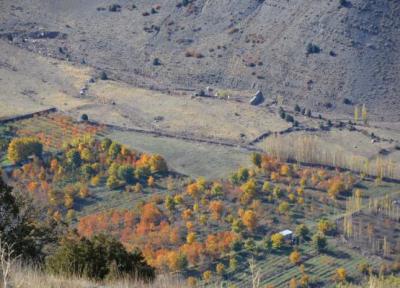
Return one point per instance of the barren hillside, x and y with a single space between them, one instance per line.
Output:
239 44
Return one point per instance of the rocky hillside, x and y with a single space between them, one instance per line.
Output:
308 51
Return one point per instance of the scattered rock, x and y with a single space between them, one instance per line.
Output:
114 8
257 99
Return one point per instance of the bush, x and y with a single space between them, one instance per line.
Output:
84 117
103 75
282 113
20 149
98 258
297 108
289 118
114 8
313 49
156 62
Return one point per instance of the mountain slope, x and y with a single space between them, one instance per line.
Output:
241 44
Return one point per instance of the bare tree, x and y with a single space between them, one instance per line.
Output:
255 274
7 260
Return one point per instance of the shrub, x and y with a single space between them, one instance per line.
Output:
313 49
103 75
114 8
156 62
282 113
84 117
20 149
289 118
98 258
297 108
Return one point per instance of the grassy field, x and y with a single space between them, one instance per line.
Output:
190 158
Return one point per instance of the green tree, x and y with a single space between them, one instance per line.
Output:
319 242
256 159
87 171
302 231
105 144
112 182
126 173
97 258
20 227
243 174
74 158
114 150
169 203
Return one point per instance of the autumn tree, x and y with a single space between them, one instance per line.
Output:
325 226
177 261
20 149
293 283
249 190
266 186
68 201
83 191
112 182
220 269
150 181
207 275
295 257
216 189
193 190
158 164
341 274
249 219
169 203
216 208
283 207
138 188
277 240
191 237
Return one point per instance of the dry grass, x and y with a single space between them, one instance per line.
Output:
30 277
311 149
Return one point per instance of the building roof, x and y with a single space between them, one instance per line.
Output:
286 232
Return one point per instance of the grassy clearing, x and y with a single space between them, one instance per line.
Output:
194 159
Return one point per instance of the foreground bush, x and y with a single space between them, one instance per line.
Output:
98 258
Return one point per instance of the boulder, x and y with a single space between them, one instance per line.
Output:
257 99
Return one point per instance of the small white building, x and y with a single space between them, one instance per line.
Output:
287 234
